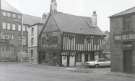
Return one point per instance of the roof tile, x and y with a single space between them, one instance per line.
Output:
76 24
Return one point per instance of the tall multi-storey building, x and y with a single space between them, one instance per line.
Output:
10 33
16 40
11 28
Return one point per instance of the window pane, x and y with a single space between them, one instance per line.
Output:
23 28
19 27
4 25
8 26
14 15
9 14
13 27
4 13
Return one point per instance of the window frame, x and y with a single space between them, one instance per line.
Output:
4 25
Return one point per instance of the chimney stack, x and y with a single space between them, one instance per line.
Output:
94 19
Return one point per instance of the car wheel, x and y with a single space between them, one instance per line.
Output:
96 65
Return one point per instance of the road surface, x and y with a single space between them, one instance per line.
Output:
29 72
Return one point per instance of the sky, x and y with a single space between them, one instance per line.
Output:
104 8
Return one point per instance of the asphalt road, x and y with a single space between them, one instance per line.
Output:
29 72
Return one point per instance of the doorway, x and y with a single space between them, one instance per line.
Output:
92 56
127 61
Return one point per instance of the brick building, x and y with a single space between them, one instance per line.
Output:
123 41
69 40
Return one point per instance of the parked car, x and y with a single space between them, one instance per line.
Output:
98 63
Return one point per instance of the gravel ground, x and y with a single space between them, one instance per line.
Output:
29 72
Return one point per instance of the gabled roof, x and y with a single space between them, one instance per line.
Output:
128 11
75 24
31 20
6 6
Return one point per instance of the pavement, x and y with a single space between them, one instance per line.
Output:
33 72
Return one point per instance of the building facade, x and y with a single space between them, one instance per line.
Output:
10 32
69 40
123 41
33 34
34 26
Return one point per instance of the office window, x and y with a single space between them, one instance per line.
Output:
13 27
23 28
4 13
19 27
14 15
9 14
8 26
4 25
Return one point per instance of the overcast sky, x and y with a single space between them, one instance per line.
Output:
104 8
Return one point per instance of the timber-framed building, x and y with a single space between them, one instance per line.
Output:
69 40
